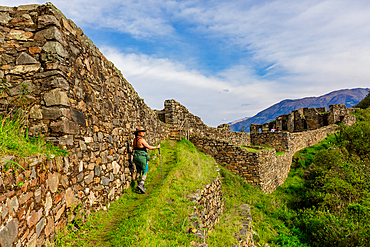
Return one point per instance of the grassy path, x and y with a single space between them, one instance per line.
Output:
157 218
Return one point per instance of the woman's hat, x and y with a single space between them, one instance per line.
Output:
139 129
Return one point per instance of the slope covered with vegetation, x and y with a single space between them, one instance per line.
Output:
365 103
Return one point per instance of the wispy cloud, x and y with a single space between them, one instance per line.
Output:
157 79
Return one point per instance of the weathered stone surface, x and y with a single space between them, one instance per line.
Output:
60 212
24 58
24 69
70 198
28 7
66 127
38 195
53 181
23 198
49 226
40 226
105 181
19 35
89 178
89 139
33 241
47 20
4 18
78 116
59 82
55 48
80 177
34 217
56 97
51 113
36 112
97 171
52 33
116 167
48 203
4 210
9 233
13 205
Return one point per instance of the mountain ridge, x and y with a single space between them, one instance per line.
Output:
348 97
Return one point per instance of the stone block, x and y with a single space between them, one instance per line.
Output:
49 226
59 82
80 177
89 139
89 178
34 217
51 113
69 197
53 182
40 226
116 167
60 212
19 35
13 205
24 198
9 233
47 20
24 58
105 181
52 33
28 7
56 97
34 50
78 116
54 47
48 203
24 69
97 171
36 112
4 18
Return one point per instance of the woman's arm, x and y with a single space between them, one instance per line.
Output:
145 144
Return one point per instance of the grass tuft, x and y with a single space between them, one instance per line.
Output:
14 140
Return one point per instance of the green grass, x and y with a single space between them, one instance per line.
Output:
280 153
14 140
158 218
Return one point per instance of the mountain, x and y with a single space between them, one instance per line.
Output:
348 97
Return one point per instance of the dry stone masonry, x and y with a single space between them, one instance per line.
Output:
42 200
78 100
208 209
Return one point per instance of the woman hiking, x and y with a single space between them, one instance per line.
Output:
141 156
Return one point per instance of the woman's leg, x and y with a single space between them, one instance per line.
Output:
143 177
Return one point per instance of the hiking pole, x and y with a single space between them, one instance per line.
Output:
160 160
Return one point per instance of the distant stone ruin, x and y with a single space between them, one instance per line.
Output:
308 119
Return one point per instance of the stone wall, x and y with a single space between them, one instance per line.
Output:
237 159
208 209
73 96
307 119
262 167
178 116
37 202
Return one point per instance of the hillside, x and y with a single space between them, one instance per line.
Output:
348 97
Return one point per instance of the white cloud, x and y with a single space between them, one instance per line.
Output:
157 79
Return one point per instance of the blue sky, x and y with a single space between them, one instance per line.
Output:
225 60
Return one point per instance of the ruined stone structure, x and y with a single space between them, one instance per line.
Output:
308 119
71 94
178 117
78 100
